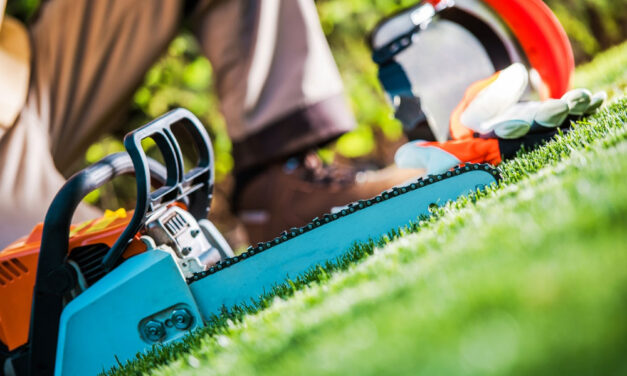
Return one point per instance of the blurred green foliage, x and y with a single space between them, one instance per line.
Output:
592 25
183 77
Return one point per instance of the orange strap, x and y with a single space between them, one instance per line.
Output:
471 150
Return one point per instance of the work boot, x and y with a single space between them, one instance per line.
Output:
292 193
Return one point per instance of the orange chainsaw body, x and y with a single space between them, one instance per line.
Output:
18 269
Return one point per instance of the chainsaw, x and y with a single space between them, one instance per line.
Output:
79 299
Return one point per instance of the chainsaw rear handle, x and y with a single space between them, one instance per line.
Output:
54 276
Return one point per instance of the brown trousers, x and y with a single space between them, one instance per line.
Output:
278 85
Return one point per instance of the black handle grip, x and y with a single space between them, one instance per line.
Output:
196 185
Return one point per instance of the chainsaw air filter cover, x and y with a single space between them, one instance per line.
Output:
430 53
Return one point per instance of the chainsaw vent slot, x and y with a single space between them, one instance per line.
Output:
89 259
176 224
10 270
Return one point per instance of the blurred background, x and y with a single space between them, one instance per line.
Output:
183 78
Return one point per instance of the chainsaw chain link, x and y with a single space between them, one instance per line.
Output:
350 209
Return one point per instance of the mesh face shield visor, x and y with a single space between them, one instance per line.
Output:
430 53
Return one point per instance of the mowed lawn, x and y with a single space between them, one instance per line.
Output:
530 278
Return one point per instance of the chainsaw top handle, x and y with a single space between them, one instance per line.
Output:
195 186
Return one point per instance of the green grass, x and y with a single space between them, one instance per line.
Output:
529 278
607 72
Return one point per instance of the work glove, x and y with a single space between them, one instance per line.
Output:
491 123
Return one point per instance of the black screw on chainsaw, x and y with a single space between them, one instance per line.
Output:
154 330
181 318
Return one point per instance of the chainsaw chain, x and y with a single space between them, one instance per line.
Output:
348 210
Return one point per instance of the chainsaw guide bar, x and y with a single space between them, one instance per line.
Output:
350 209
246 277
